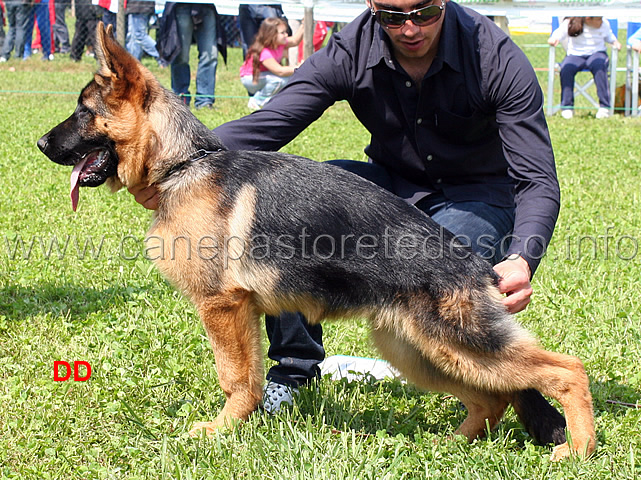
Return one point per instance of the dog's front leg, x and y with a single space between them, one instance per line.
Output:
232 324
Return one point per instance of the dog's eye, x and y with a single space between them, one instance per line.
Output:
83 111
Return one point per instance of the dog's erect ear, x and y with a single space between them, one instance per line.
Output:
116 67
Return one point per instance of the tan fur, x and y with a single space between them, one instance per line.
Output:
232 324
456 307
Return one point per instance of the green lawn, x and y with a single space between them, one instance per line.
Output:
76 287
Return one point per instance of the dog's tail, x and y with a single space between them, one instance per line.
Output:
540 419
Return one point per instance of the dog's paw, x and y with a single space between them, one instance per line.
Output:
560 452
209 427
220 423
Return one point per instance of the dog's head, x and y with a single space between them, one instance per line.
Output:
107 138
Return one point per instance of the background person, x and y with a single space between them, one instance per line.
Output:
60 30
138 40
262 73
2 22
188 21
39 12
586 38
455 114
87 16
251 16
17 13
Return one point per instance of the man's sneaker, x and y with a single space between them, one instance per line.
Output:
277 394
603 112
3 59
567 113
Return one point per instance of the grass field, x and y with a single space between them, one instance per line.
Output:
76 287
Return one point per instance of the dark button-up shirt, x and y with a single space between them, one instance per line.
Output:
475 128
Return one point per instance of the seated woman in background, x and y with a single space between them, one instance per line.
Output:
585 38
262 73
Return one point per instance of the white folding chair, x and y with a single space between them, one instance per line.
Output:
582 88
632 75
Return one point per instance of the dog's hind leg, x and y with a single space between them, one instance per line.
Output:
484 409
233 327
518 366
563 378
541 419
522 366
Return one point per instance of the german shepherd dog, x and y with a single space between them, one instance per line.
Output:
247 233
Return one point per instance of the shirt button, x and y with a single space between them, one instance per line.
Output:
439 180
408 84
419 121
429 158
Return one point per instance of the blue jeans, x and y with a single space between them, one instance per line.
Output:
17 18
298 346
268 85
207 56
138 39
597 63
40 12
109 18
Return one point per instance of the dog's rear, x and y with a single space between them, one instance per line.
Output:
435 311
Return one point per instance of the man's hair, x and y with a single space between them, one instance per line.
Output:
575 27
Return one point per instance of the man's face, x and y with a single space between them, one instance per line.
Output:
410 40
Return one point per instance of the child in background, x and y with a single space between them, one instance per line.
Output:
586 38
262 73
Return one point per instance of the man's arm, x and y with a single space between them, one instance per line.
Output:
514 89
317 84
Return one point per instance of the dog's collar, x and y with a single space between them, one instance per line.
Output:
197 155
201 153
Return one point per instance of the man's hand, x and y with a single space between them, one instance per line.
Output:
147 196
515 283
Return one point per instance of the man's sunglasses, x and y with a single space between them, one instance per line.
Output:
420 17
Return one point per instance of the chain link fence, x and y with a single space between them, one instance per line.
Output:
64 31
67 28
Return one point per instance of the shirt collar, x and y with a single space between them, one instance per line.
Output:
379 51
448 48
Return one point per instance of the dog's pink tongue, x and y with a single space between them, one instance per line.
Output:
75 184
